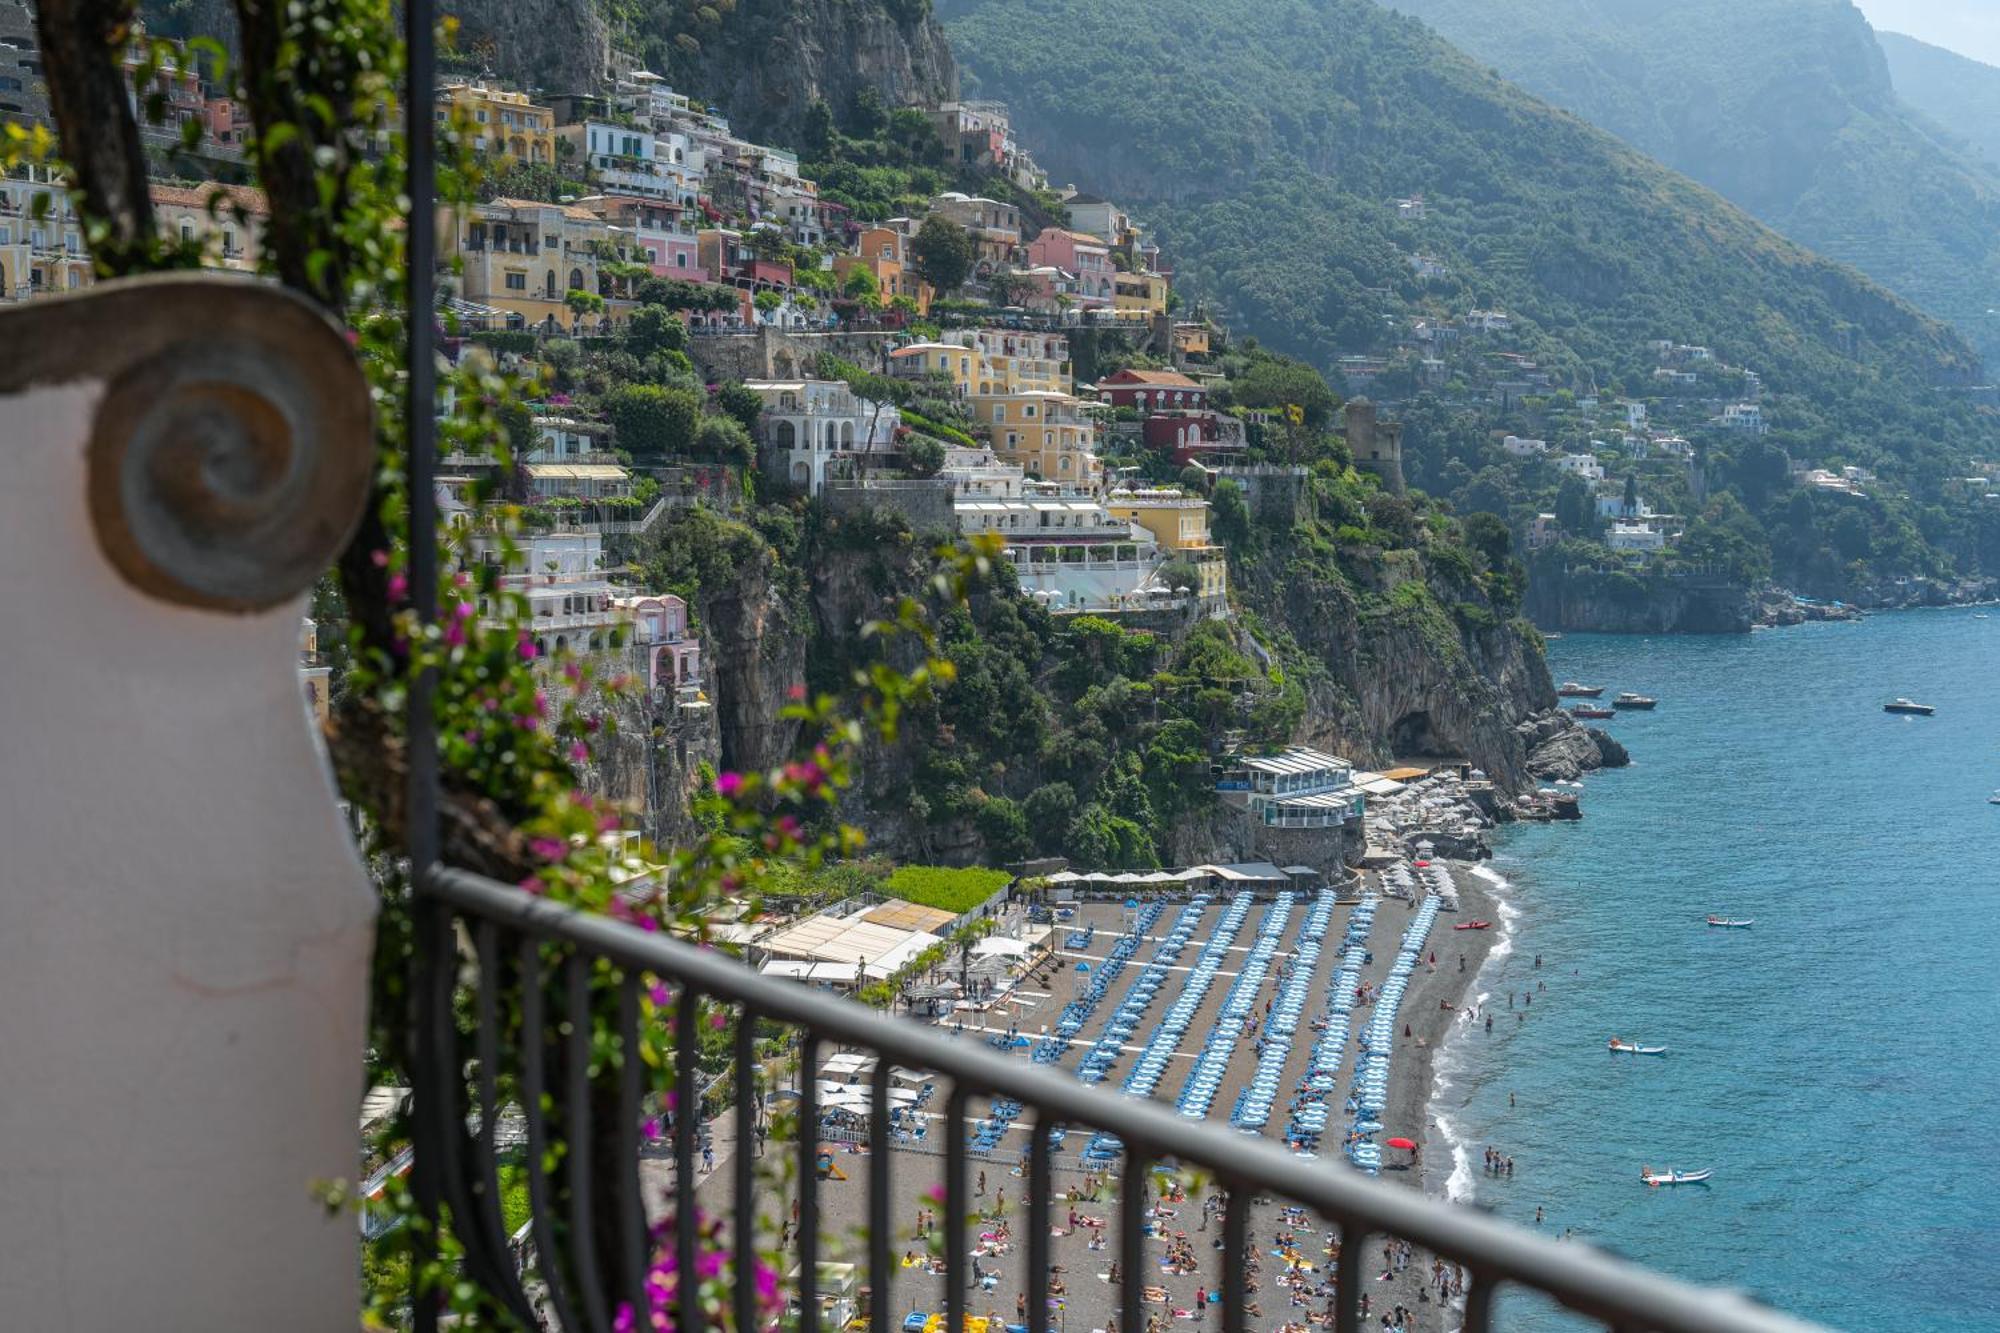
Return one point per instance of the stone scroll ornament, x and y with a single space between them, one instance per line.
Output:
186 932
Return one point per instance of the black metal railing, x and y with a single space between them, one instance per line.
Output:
497 947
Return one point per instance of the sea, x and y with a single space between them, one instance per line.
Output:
1837 1065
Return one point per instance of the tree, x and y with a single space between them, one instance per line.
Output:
1005 829
581 302
1631 505
652 421
1230 513
675 294
767 301
654 328
861 287
923 455
1576 510
1489 535
741 403
816 132
723 438
943 251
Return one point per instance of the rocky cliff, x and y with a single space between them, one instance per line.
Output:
1617 602
1415 665
762 61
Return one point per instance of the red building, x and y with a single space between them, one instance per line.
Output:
1153 391
1194 435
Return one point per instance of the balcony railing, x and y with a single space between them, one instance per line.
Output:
489 941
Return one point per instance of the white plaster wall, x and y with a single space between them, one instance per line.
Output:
183 956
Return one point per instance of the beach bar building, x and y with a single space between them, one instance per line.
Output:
1300 806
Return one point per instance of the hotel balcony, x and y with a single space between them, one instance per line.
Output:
186 970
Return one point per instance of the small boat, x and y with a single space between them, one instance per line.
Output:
1473 925
1728 923
1910 706
1675 1177
1570 689
1994 799
1634 1048
1634 701
1584 711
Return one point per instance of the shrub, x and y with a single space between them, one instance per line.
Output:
946 888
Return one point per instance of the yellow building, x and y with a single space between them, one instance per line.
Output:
1043 433
226 221
1179 523
1016 360
1140 293
523 258
504 125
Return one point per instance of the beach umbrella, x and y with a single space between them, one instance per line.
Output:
1402 1143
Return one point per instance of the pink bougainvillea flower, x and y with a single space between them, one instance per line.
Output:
796 693
533 884
528 650
935 1194
728 784
549 849
454 634
380 559
578 751
399 587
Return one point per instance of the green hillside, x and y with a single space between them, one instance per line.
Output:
1267 144
1958 94
1784 106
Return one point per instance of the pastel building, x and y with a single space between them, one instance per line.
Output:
817 430
1087 258
669 657
503 124
1179 524
1044 433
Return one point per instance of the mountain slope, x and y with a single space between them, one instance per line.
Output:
1784 106
1960 94
1267 141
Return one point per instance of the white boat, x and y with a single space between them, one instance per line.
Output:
1994 799
1675 1177
1634 1048
1731 923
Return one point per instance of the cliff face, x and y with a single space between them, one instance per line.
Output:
1615 602
771 59
1406 677
763 62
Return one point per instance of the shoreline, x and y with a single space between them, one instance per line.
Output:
1413 1073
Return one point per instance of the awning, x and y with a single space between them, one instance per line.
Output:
577 472
996 945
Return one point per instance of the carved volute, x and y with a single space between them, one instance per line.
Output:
184 958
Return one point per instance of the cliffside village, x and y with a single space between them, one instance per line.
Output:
680 197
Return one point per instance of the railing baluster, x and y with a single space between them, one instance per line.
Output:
1347 1277
956 1205
1132 1239
878 1198
1041 1190
486 1186
1235 1256
631 1202
687 1125
744 1200
1479 1304
577 1129
534 1043
808 1236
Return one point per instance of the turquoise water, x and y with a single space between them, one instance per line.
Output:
1837 1065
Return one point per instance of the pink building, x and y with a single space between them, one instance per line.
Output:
663 231
1085 257
669 657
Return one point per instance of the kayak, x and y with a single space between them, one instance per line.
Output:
1633 1048
1724 923
1677 1177
1473 925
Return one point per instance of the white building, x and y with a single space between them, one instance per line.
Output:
1299 788
1489 321
1635 537
815 429
1581 465
1635 414
572 604
1524 448
1742 416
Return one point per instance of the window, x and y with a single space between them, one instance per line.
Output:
517 282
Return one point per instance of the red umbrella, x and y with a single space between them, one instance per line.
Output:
1402 1143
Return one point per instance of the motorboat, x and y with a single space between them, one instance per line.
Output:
1729 923
1634 1048
1994 799
1570 689
1629 700
1910 706
1473 925
1675 1177
1583 711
